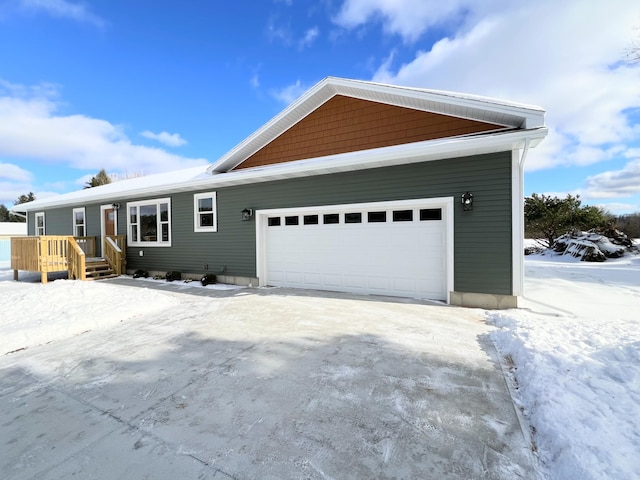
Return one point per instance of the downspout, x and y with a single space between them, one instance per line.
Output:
523 157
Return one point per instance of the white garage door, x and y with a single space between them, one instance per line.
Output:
396 249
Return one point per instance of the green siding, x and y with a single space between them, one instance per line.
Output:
482 237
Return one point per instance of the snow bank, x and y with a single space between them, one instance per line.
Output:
576 363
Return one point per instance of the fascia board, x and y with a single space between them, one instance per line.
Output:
429 150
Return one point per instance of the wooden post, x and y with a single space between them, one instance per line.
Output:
15 275
44 277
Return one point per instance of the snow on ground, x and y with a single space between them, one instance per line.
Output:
34 314
575 347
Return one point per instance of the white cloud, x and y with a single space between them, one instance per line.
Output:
289 93
408 18
64 9
278 31
560 55
615 183
14 173
309 37
32 128
169 139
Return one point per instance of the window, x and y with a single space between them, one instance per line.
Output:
331 218
274 221
403 215
40 223
352 218
373 217
291 220
149 223
311 219
79 227
430 214
205 212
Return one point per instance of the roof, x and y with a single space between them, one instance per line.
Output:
529 121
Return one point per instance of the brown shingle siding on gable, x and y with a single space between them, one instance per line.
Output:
346 124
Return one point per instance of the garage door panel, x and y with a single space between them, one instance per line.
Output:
391 258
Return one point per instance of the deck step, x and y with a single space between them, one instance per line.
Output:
98 269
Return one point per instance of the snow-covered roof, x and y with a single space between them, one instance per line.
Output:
472 107
528 120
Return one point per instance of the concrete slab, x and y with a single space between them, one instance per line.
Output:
266 384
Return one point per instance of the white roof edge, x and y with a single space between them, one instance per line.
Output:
428 150
530 116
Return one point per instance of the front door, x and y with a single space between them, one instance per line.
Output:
108 223
109 215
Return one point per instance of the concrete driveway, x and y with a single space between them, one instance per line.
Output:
265 384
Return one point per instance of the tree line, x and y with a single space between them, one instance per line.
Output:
548 217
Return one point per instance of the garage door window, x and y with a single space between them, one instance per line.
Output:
353 217
430 214
311 219
273 221
403 215
377 217
291 220
331 218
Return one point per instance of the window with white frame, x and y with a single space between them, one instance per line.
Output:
205 212
79 226
149 223
40 223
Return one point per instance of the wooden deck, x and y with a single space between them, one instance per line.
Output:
59 253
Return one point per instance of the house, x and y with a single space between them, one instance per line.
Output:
356 186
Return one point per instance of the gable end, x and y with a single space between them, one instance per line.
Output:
345 124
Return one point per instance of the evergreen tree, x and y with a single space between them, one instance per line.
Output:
549 217
100 179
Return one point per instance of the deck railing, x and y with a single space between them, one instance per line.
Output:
77 260
58 253
114 252
87 244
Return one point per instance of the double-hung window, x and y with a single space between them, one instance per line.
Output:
149 223
79 226
39 218
204 211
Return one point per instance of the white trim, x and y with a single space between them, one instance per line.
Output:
158 242
196 179
196 214
44 225
103 227
446 203
84 221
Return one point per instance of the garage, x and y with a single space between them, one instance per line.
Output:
397 248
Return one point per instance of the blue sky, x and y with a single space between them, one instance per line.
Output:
141 87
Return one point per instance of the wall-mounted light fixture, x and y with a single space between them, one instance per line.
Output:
247 213
115 206
467 201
